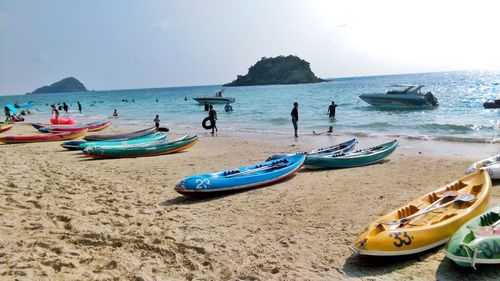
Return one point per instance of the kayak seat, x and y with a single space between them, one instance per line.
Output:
489 218
456 186
443 218
407 211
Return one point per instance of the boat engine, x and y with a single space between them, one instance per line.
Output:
430 98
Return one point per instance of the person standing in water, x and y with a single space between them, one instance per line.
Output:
331 109
295 118
115 113
157 122
79 106
212 114
55 112
65 107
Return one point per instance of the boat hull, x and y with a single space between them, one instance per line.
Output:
140 151
246 177
5 128
214 100
467 248
44 137
144 140
491 165
429 230
396 101
126 136
349 160
92 127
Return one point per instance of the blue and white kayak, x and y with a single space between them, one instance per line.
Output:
251 176
337 148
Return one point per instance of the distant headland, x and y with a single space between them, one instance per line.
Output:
278 70
69 84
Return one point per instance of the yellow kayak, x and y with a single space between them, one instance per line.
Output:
413 228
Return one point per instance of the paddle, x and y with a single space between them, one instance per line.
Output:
460 198
447 194
275 166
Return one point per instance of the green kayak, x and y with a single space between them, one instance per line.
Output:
351 159
81 144
156 148
477 241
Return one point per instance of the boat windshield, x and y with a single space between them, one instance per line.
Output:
411 90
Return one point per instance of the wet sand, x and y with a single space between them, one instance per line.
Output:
64 217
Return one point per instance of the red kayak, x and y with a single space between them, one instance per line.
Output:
44 137
92 127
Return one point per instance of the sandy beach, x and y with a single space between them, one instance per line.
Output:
64 217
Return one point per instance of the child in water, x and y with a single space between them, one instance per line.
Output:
329 132
115 113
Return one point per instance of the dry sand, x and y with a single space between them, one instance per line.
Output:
63 217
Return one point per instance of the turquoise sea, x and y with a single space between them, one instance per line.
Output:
266 109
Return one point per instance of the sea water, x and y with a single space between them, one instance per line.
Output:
460 115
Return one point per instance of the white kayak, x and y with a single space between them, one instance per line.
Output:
491 165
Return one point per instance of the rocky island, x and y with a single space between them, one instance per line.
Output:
69 84
278 70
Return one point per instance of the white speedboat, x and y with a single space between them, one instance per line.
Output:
216 99
406 96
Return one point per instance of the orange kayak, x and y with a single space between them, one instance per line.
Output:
5 128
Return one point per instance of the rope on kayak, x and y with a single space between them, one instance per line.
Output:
474 255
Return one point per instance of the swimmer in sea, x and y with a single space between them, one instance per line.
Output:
329 132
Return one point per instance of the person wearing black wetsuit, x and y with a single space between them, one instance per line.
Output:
212 114
331 109
295 117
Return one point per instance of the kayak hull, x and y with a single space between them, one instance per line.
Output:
81 144
490 164
246 177
428 230
5 128
43 138
338 148
125 136
467 248
351 159
141 151
92 127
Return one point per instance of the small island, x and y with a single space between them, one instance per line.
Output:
69 84
278 70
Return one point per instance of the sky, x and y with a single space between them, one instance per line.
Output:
122 44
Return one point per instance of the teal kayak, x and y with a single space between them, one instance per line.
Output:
351 159
477 241
81 145
151 149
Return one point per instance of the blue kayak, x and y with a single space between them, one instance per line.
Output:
241 178
81 144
